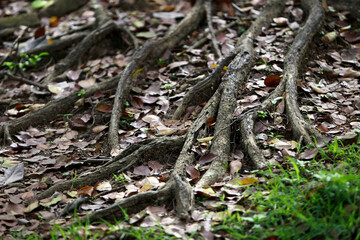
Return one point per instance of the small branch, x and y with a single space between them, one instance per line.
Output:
13 45
24 80
149 51
202 41
211 29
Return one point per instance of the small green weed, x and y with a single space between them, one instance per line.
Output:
120 178
25 62
272 135
81 93
262 114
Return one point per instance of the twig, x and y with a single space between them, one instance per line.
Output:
13 45
204 39
24 80
211 29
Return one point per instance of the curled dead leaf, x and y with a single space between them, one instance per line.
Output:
272 80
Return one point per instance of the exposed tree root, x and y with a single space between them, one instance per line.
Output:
59 45
149 51
73 57
205 88
235 76
221 105
141 152
225 98
29 19
300 127
105 26
51 110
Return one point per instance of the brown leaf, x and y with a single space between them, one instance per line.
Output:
13 174
99 128
317 89
281 21
74 75
272 80
206 191
106 108
168 8
39 32
248 181
235 166
77 122
103 186
54 21
136 102
87 190
309 153
153 120
87 82
349 36
237 155
193 172
142 170
208 157
338 118
156 166
322 128
210 121
329 37
176 64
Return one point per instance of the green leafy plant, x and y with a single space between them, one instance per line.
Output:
81 92
262 114
168 86
272 135
26 61
41 4
64 115
120 178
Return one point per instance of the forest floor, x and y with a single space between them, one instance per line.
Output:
64 174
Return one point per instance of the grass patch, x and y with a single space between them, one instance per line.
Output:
317 199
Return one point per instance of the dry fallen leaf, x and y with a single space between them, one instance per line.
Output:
272 80
99 128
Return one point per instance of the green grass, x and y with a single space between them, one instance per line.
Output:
318 199
80 231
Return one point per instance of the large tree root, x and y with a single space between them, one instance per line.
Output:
235 77
204 89
137 154
302 129
221 104
58 44
150 51
51 110
105 26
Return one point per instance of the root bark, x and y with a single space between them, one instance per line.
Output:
219 91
